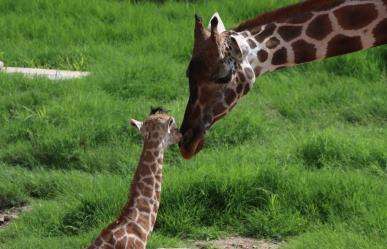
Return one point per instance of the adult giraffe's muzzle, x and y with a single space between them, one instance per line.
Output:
191 143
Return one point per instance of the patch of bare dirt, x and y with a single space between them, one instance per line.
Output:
237 243
6 216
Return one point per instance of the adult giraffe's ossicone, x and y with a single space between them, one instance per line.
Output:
225 63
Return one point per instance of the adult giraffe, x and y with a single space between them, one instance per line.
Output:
225 63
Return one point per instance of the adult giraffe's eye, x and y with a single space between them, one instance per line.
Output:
225 79
222 74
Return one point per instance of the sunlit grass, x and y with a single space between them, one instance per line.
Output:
302 158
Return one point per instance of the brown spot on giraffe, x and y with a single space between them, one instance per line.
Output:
143 221
241 76
107 246
319 27
262 55
107 235
149 180
134 244
268 30
328 5
136 230
280 57
154 166
158 193
152 144
380 33
299 18
249 73
256 30
218 109
148 157
239 88
342 44
145 171
156 205
245 34
356 16
303 51
289 33
257 70
155 135
230 96
158 177
145 190
272 43
196 113
205 93
120 233
131 244
251 43
121 243
137 244
98 242
156 153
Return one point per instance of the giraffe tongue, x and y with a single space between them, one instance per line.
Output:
193 149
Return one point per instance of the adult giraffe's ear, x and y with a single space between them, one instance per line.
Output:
136 124
216 24
239 48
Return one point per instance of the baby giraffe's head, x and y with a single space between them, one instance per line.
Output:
159 129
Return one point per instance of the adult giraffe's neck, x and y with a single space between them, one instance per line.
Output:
140 211
313 30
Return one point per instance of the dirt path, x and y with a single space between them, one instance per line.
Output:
6 216
237 243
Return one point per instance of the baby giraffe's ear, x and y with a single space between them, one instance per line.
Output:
136 124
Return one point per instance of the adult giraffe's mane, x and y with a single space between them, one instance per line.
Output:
283 13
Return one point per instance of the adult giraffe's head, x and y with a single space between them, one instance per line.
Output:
224 63
219 74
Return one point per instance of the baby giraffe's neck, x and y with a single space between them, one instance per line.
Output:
133 227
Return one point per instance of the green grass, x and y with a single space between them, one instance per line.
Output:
302 158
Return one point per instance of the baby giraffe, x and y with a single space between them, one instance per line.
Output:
133 227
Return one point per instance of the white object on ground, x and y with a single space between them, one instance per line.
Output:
51 74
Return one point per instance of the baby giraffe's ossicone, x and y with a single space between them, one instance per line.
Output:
132 228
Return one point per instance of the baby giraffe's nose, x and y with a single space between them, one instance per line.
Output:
179 136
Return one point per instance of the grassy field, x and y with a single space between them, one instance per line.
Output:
302 158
